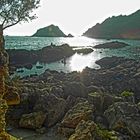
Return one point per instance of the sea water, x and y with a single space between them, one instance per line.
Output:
77 62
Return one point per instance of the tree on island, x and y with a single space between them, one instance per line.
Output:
12 12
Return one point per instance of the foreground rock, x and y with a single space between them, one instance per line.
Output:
88 130
81 111
76 89
54 108
84 131
77 102
124 117
102 101
111 45
33 120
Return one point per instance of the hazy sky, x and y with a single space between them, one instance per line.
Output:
74 16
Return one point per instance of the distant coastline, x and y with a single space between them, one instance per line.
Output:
117 27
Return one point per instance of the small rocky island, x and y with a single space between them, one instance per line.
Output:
50 31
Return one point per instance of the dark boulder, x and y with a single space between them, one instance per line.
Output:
54 108
75 89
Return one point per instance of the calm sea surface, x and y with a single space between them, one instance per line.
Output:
77 62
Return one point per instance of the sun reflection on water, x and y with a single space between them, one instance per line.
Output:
79 61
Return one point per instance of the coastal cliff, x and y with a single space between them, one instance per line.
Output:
122 26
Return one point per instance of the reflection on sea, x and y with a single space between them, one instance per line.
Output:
77 62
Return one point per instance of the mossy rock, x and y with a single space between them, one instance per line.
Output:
81 111
88 130
127 94
106 135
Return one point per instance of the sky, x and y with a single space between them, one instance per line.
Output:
73 16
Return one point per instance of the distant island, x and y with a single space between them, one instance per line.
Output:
123 27
50 31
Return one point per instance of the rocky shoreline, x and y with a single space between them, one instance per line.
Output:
101 104
27 58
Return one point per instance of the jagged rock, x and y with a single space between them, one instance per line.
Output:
81 111
102 101
128 96
84 131
75 89
124 117
88 130
57 91
101 121
33 120
11 96
65 131
70 102
91 89
53 106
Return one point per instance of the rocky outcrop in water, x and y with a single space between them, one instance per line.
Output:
111 45
49 31
70 35
26 58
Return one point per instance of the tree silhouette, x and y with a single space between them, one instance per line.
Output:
12 12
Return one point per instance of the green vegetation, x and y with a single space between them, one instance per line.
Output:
127 94
106 135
